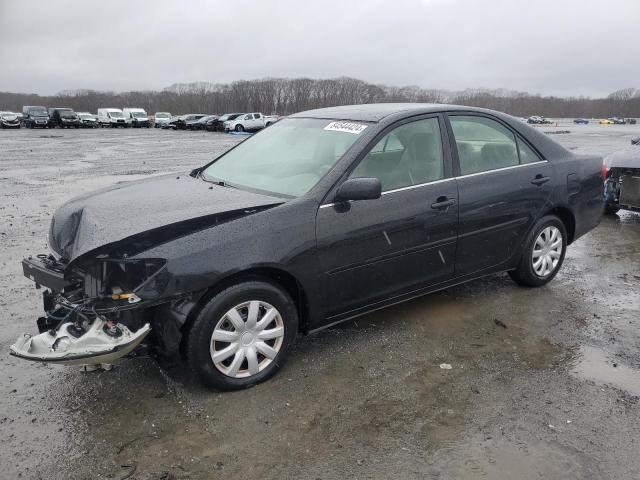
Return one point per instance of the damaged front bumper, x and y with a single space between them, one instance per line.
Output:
622 188
86 321
97 345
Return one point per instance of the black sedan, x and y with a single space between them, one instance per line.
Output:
204 123
218 124
324 216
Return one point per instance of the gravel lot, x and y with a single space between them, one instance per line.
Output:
544 383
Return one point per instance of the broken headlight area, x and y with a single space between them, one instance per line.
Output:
95 312
622 188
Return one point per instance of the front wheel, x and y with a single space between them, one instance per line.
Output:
242 335
543 253
239 128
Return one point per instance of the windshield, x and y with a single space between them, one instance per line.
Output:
66 113
85 115
288 158
138 114
116 114
162 115
38 111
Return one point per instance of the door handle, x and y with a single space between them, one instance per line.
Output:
540 180
442 203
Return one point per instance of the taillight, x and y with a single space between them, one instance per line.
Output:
604 171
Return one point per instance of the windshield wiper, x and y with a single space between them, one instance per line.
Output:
215 181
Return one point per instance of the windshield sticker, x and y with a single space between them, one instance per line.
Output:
348 127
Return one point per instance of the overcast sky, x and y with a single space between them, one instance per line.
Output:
560 47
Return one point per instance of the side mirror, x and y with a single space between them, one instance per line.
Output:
359 189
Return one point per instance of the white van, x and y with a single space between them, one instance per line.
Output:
111 117
136 117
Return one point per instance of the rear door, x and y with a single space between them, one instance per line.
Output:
503 185
372 249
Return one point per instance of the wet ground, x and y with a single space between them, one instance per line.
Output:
544 383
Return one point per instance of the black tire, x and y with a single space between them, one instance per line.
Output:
239 128
524 274
611 209
199 335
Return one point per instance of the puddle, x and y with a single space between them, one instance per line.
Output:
594 364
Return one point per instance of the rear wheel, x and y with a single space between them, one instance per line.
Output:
242 335
543 253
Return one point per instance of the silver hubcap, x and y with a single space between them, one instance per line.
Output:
246 339
547 251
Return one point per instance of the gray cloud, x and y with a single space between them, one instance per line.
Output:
569 47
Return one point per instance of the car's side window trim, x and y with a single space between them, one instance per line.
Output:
455 159
446 154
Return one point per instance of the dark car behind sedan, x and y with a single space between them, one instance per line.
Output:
326 215
203 123
218 123
182 121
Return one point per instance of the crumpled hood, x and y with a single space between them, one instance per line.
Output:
127 209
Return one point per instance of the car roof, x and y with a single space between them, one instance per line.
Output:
375 112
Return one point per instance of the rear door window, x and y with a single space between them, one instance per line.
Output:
527 155
483 144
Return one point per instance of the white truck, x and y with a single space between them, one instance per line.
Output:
111 117
136 117
249 121
161 118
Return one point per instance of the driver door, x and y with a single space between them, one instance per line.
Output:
371 250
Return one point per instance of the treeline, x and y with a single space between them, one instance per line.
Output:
284 96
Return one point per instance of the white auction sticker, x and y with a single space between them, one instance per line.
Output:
348 127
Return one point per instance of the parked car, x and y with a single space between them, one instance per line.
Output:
9 120
88 120
180 123
111 117
205 123
537 120
218 124
136 117
622 185
63 118
35 117
246 122
193 123
605 121
617 121
630 121
161 118
326 215
581 121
